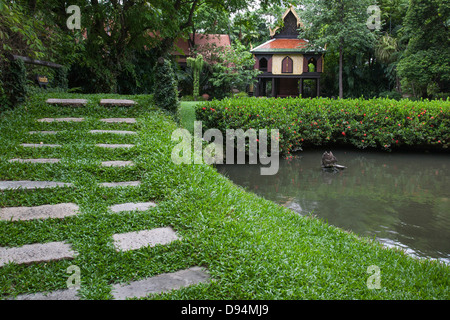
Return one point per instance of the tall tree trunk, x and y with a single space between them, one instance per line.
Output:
397 84
341 65
341 51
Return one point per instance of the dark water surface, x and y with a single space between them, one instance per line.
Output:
401 199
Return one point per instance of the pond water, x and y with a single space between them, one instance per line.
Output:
400 199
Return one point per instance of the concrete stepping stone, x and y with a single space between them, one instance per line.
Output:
60 119
42 160
43 132
113 131
67 294
161 283
39 145
121 184
131 206
114 146
26 184
38 252
117 102
119 120
67 102
57 211
145 238
117 163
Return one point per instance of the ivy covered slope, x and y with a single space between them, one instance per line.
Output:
253 248
377 123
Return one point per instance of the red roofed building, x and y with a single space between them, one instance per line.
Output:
286 60
206 44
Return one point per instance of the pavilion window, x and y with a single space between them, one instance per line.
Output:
287 65
312 65
263 64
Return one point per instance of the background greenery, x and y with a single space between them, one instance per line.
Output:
120 41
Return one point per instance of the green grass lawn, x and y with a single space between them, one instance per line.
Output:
187 114
253 248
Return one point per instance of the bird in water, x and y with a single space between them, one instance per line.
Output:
328 160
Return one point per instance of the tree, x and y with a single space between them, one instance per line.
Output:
425 64
178 16
234 70
338 24
165 89
387 51
196 64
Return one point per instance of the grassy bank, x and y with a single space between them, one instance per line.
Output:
187 113
381 124
253 248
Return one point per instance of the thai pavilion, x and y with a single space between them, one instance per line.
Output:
286 61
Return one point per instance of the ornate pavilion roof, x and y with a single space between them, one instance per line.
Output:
286 39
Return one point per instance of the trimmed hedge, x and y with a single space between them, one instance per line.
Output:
377 123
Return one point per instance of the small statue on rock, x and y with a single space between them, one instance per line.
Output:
330 161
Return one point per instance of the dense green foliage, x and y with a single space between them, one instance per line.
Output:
60 80
165 87
196 65
14 84
252 248
425 65
234 71
377 123
119 42
340 24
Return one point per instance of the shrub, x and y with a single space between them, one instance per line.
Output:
165 88
14 83
241 95
390 95
377 123
60 80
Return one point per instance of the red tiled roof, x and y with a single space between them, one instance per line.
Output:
282 44
220 40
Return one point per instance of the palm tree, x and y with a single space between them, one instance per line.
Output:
387 52
386 48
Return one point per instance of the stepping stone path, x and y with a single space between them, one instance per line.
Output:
26 184
39 145
113 131
43 252
68 294
121 184
117 102
117 163
43 132
35 160
60 120
119 120
38 252
160 283
40 212
144 238
67 102
114 146
130 206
